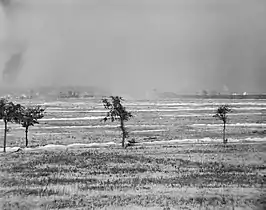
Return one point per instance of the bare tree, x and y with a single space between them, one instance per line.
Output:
117 112
9 112
222 114
30 116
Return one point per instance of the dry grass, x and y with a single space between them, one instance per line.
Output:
169 177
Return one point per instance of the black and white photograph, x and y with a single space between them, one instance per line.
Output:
132 104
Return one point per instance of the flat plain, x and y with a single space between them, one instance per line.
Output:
75 160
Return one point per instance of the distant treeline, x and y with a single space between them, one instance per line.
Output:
251 96
54 92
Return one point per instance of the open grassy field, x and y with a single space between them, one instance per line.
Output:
180 162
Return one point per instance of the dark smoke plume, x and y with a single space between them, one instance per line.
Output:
5 2
12 68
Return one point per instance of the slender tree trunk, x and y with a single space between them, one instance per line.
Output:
26 132
224 134
5 131
123 132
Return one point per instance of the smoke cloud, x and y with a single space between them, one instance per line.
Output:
133 46
12 67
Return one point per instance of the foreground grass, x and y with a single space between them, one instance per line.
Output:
187 176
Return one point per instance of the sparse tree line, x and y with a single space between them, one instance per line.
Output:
118 112
28 116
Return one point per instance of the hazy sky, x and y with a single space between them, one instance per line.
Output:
136 45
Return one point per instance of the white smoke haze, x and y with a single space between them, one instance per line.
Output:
180 46
59 48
